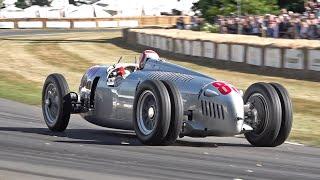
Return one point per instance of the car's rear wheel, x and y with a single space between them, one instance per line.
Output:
151 112
265 114
56 103
176 113
286 120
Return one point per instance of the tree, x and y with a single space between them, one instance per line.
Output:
1 3
21 4
292 5
213 8
40 2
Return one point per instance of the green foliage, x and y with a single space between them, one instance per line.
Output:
1 3
210 28
17 88
40 2
292 5
21 4
213 8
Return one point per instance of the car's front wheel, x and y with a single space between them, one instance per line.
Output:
56 103
287 111
264 115
151 112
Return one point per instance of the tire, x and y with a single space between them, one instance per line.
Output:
151 128
266 103
287 111
56 102
176 113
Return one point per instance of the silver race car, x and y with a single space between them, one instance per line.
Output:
162 101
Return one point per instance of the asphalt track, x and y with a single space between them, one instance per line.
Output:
28 150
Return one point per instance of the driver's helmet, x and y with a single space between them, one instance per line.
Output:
121 71
145 55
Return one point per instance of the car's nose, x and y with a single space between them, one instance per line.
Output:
224 99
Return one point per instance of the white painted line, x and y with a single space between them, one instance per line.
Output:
293 143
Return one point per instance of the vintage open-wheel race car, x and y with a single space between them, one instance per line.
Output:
162 101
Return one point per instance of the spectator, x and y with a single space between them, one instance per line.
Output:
304 29
287 25
232 26
246 27
271 26
312 30
180 23
296 23
284 26
195 23
256 26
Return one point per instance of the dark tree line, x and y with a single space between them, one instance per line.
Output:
24 4
292 5
212 8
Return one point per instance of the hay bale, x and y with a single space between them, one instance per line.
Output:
233 38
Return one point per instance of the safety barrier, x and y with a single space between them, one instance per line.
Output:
305 61
140 21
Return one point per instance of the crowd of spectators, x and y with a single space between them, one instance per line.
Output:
285 25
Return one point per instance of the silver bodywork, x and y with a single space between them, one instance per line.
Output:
207 111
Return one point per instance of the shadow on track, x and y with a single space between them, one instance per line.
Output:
107 137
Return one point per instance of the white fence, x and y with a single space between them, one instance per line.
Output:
274 57
141 21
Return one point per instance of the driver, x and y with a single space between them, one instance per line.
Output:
122 73
145 55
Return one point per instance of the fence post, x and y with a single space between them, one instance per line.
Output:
71 24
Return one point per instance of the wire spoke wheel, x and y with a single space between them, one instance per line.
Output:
147 112
56 104
51 103
151 112
260 106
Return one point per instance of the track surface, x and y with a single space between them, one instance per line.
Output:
83 151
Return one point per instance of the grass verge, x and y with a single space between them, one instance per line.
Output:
17 88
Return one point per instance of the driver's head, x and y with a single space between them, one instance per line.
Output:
121 71
145 55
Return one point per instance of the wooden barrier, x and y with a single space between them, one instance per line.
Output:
140 21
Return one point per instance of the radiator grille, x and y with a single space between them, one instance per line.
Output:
211 109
